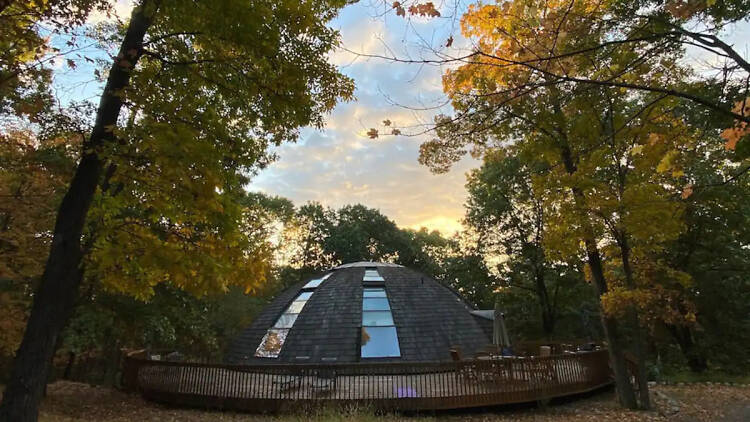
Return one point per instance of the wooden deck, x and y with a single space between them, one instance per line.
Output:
402 385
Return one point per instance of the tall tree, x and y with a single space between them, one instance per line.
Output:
465 269
510 220
713 251
195 94
581 136
306 237
365 234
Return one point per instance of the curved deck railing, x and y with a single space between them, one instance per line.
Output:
386 386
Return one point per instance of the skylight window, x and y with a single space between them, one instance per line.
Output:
380 342
379 337
378 292
316 282
377 319
371 274
271 344
375 304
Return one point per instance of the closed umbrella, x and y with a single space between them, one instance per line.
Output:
499 332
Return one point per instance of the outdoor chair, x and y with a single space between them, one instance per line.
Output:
482 354
286 383
490 349
465 370
492 368
541 370
324 381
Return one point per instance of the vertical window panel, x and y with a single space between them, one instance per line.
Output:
371 274
380 342
270 346
376 318
285 321
375 304
374 292
272 342
379 336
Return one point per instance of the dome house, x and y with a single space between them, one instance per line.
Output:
363 311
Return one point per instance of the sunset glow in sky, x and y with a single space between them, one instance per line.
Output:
340 165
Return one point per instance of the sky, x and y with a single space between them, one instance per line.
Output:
339 164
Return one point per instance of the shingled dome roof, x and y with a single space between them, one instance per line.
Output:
361 311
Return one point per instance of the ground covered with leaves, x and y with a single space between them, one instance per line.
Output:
67 401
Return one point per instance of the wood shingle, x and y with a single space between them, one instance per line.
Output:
429 319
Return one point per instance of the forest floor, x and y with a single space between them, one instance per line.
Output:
69 401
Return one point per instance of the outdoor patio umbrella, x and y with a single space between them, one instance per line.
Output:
499 332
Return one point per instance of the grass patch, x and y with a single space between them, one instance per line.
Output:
77 402
707 376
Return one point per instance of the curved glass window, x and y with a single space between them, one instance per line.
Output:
296 306
375 304
380 342
285 321
371 274
271 344
375 319
379 337
374 292
316 282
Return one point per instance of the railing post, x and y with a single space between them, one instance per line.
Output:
129 377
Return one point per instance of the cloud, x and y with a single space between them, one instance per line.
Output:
340 165
121 9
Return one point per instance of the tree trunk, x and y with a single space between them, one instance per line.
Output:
625 393
695 359
639 342
55 297
548 317
69 366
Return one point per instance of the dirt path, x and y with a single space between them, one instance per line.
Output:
708 402
68 401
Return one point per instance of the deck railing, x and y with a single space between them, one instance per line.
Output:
386 386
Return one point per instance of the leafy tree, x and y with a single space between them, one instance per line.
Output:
25 53
322 238
364 234
600 154
713 251
319 238
511 222
306 236
464 268
33 174
194 96
428 251
646 31
197 328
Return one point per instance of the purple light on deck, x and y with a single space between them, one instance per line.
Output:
405 392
